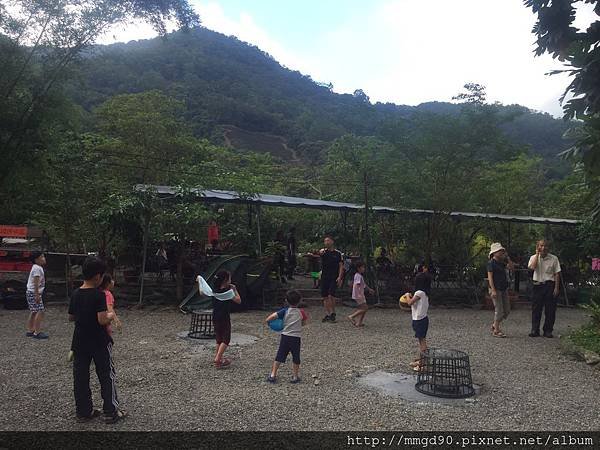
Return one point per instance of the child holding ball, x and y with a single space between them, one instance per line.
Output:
419 303
294 319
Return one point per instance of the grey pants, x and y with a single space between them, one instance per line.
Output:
501 305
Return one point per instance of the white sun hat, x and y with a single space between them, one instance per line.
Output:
496 247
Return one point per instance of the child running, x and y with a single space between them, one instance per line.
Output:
106 286
294 319
221 316
419 303
358 295
36 284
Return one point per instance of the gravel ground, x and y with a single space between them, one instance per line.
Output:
165 383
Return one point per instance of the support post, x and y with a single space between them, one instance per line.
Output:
369 238
144 255
258 230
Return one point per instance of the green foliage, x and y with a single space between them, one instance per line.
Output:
557 35
155 111
594 309
227 82
587 337
39 41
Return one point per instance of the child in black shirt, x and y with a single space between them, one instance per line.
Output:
92 342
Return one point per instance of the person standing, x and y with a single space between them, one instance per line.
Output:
279 252
358 295
92 342
36 283
546 288
221 316
332 276
291 250
213 235
498 284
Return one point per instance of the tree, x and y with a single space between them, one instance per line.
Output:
39 40
557 36
475 94
359 94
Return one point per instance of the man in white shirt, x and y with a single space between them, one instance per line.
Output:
546 288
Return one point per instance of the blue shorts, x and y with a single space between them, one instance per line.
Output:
421 326
288 344
33 305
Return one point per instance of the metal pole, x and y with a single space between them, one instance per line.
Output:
144 255
258 230
369 238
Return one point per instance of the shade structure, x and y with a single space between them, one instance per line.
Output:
224 196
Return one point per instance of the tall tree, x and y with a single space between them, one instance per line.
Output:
579 49
39 40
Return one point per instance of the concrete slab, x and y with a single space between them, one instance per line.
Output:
403 385
237 340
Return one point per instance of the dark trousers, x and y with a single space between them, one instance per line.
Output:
543 299
291 264
105 370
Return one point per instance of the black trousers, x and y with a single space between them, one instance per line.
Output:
543 301
291 264
105 370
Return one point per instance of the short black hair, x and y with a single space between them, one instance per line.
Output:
360 264
293 297
423 283
328 236
92 266
35 255
106 280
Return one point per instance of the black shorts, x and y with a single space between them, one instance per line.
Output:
222 331
328 287
288 344
421 327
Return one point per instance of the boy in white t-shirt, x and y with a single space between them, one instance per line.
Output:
36 283
358 295
419 303
294 319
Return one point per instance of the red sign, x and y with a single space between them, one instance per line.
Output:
13 231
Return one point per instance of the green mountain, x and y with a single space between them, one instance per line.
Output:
240 96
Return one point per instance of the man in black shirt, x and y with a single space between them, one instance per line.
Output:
91 341
332 275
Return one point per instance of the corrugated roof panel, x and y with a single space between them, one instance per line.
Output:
298 202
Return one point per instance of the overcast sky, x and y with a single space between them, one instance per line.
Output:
400 51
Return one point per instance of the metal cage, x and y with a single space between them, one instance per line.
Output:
445 373
201 326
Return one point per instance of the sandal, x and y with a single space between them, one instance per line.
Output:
83 419
419 367
498 334
223 364
114 418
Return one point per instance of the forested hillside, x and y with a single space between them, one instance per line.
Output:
199 109
225 82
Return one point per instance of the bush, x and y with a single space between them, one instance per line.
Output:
587 337
594 309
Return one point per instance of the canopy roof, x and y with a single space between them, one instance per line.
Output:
221 196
